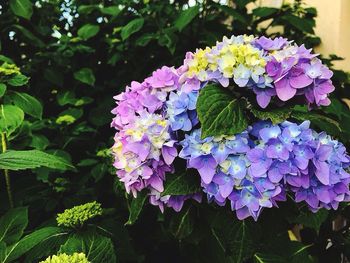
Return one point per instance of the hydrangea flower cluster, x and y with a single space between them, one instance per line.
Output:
64 258
269 67
157 122
78 215
225 173
310 164
144 147
254 169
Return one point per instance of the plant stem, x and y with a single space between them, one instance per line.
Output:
6 172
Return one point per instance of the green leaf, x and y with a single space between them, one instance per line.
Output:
181 225
219 112
110 10
11 117
66 97
298 252
181 184
97 248
132 27
85 75
303 24
74 112
12 225
6 59
276 115
28 104
22 8
136 207
311 10
2 89
321 121
268 258
234 13
233 236
264 11
2 251
337 107
145 39
20 160
28 242
185 17
88 31
87 9
46 247
18 80
99 171
168 39
309 219
87 162
39 142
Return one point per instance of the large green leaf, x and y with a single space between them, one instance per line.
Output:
28 104
11 117
88 31
12 225
136 207
185 17
85 75
97 248
46 247
132 27
276 115
219 112
28 242
22 8
181 184
20 160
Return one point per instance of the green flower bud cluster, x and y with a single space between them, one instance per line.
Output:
64 258
76 216
9 69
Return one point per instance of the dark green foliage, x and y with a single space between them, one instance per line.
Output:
55 116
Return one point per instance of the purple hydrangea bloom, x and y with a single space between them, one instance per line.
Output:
271 44
252 170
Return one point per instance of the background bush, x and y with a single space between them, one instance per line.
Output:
77 55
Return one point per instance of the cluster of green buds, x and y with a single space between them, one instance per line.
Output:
78 215
64 258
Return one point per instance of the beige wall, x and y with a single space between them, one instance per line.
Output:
332 25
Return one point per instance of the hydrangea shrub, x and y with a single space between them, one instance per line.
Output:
229 113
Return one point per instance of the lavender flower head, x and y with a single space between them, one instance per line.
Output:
272 68
145 147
